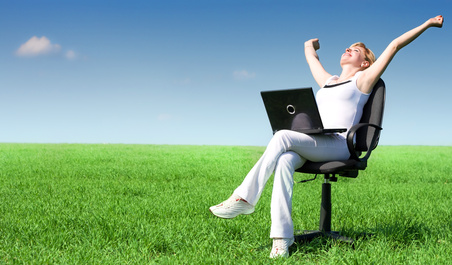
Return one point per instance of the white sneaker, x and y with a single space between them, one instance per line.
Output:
232 207
281 247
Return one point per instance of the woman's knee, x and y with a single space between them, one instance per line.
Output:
281 134
282 139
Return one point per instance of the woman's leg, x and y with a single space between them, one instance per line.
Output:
281 204
310 147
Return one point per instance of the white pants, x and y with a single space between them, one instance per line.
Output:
287 151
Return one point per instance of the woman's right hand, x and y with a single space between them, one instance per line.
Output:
312 43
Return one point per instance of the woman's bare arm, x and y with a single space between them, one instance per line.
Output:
318 72
370 76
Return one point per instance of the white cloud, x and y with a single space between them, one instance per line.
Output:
37 46
243 74
71 55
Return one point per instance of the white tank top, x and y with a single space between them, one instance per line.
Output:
341 105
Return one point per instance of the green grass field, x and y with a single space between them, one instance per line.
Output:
145 204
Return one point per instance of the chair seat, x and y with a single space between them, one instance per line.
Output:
328 167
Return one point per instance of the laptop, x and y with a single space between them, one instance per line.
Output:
296 110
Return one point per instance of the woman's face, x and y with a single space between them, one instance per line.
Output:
353 55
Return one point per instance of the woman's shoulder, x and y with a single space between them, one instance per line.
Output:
357 74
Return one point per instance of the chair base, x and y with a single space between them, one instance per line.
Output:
309 235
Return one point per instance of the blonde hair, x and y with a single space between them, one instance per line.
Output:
368 54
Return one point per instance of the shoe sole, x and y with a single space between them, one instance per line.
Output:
230 217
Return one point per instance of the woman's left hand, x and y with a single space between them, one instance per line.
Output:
436 21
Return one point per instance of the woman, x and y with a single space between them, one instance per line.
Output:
340 101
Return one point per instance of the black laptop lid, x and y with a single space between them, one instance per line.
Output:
292 109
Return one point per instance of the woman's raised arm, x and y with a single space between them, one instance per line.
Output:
370 76
318 72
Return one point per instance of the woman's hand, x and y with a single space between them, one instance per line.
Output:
436 21
314 43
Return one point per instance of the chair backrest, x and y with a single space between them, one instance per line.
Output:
372 113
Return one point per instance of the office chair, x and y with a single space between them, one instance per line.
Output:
367 134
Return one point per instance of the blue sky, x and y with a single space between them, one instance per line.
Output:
191 72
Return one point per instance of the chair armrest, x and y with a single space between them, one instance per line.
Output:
351 145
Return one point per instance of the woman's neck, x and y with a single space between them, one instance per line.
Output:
347 73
